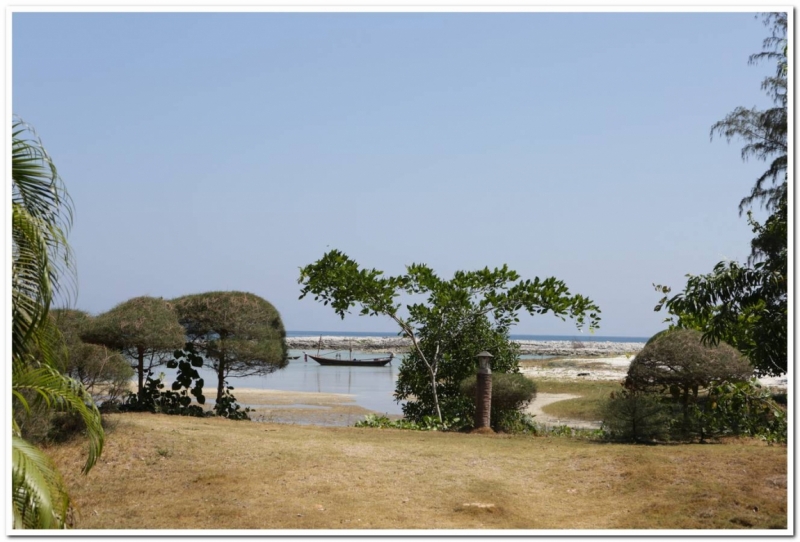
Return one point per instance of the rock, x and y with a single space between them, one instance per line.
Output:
401 344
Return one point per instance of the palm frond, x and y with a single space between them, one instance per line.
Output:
39 497
62 393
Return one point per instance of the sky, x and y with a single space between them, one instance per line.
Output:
225 151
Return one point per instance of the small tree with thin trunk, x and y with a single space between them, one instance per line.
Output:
145 329
105 373
451 305
239 333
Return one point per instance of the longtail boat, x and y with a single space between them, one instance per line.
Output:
374 362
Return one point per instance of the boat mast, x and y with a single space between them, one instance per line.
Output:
319 345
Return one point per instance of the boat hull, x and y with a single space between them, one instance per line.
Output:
377 362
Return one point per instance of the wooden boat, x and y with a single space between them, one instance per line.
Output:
294 357
374 362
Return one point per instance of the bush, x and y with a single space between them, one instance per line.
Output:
636 416
742 408
510 393
677 361
457 346
428 424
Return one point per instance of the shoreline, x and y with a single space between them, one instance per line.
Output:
400 345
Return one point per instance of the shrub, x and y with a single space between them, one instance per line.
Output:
457 346
679 359
742 408
678 362
429 423
510 393
636 416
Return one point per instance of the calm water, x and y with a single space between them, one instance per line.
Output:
372 386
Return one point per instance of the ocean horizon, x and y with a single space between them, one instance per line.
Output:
514 336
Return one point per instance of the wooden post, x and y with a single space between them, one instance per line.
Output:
483 407
483 395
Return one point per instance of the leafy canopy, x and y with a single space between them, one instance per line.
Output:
746 304
239 333
438 325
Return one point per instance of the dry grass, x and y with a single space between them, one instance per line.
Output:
167 472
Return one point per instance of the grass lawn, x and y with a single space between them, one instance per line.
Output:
170 472
593 393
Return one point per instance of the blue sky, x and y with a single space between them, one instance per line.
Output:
223 151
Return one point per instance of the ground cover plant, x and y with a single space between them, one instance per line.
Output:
174 472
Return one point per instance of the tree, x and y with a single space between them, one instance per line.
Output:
765 132
450 307
458 340
145 329
746 305
679 362
42 266
104 373
240 333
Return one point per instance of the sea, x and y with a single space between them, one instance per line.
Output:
371 387
516 337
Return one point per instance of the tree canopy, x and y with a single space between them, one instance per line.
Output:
678 360
450 307
239 333
746 304
144 328
105 373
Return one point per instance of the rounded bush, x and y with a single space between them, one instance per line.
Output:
679 362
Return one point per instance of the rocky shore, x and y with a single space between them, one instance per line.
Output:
398 345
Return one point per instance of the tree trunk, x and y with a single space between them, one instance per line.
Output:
140 351
435 396
221 369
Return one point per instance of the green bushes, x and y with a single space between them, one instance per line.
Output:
187 384
638 417
680 389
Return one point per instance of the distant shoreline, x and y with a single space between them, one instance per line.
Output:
401 345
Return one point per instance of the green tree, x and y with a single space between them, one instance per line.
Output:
145 329
450 305
746 304
239 333
42 266
103 372
679 363
458 340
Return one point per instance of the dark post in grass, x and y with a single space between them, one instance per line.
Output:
483 397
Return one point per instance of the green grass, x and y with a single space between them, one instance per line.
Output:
588 407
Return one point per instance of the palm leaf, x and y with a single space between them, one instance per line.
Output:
39 497
62 393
